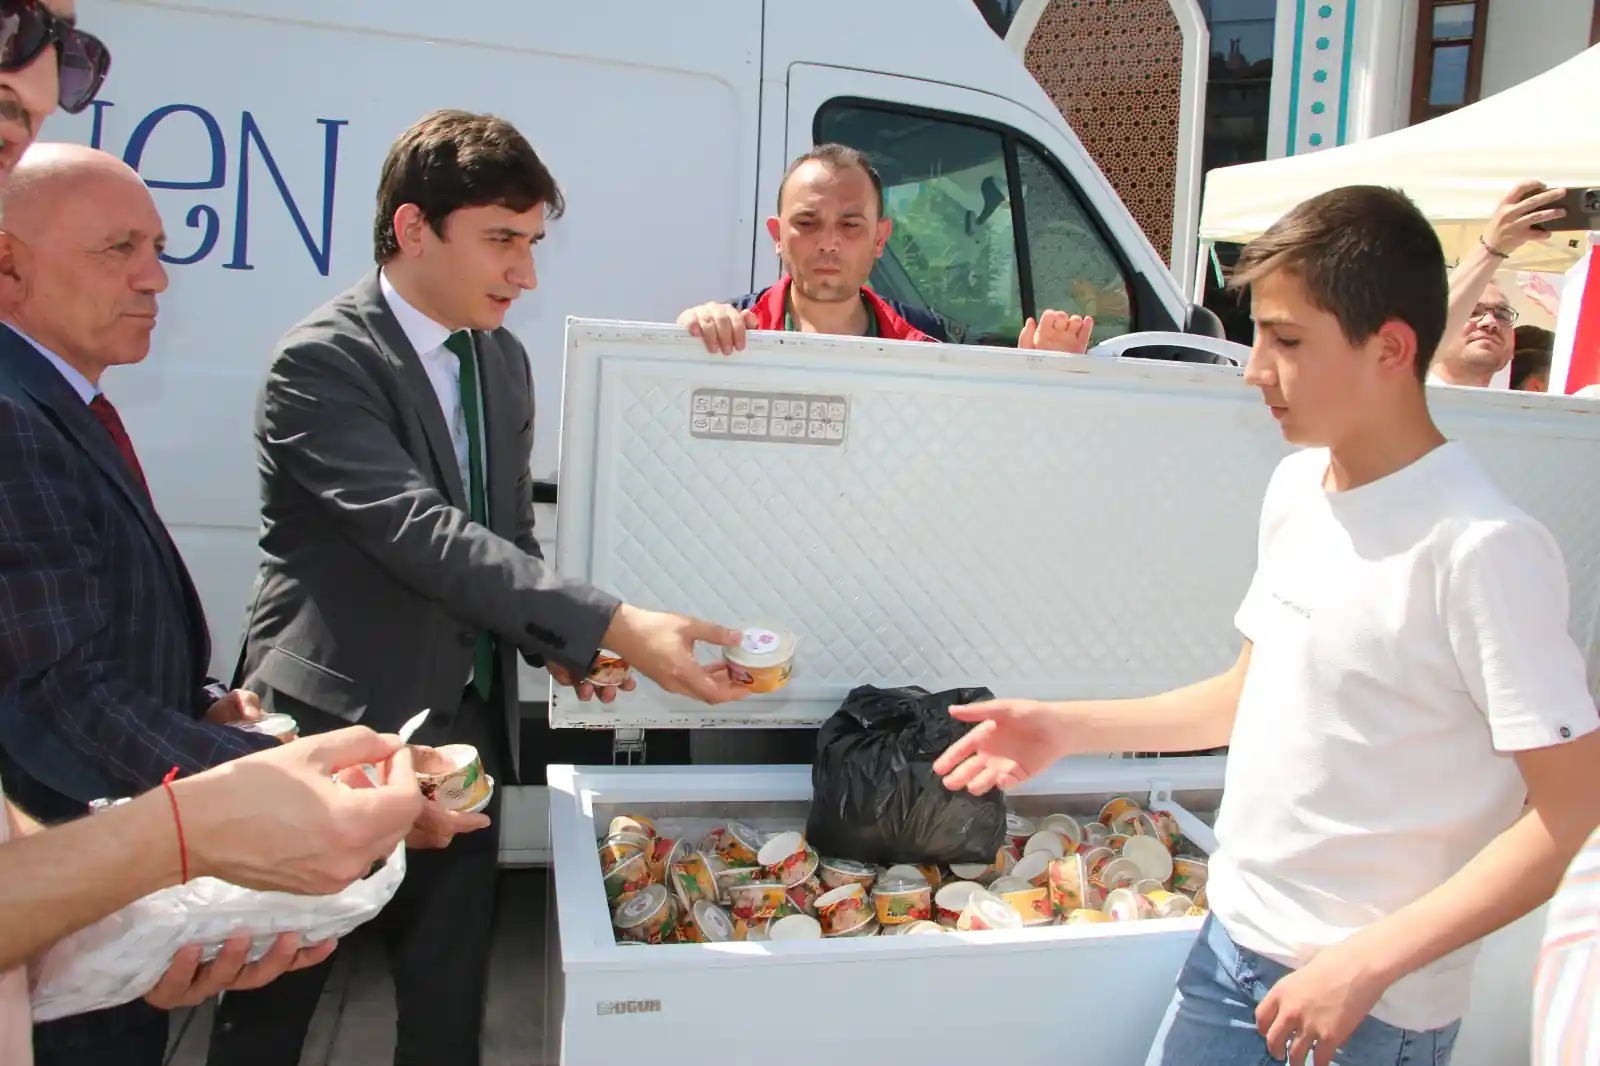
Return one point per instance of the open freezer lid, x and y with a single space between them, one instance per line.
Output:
1046 526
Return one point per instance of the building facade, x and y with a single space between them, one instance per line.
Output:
1160 91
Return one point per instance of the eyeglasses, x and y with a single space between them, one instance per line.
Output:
27 28
1504 314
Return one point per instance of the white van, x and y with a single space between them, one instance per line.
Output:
261 127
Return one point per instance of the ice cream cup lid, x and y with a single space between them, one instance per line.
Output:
780 847
713 921
795 927
640 906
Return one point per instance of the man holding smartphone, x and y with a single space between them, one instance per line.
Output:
1478 334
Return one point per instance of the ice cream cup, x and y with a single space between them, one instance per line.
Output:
1189 876
1095 860
977 872
1120 873
914 928
900 901
930 873
870 927
795 927
1065 826
625 823
712 840
664 851
803 896
1143 824
836 873
1094 835
751 930
609 670
693 881
1034 868
788 858
1150 856
1126 905
739 845
1167 828
757 900
1018 830
277 725
985 911
732 877
1115 840
1168 904
1031 902
952 899
616 849
647 916
1087 917
1201 900
903 872
707 924
626 877
763 660
453 776
1046 841
1069 883
842 909
1147 886
1116 809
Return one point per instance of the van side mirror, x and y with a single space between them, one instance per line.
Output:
1203 322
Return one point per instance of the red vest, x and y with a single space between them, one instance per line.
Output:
771 306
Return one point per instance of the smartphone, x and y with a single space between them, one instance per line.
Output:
1583 212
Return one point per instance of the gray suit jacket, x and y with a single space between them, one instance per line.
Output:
373 581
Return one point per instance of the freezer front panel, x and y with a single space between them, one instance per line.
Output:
940 515
1090 994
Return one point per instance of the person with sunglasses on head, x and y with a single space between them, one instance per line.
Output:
1479 339
95 606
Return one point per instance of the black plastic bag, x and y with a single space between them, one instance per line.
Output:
875 797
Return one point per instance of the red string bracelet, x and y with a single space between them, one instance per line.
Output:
183 848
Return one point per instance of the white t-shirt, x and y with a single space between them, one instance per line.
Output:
1408 635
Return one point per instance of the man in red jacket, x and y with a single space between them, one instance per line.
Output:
830 230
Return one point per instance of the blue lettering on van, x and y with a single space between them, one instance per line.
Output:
252 144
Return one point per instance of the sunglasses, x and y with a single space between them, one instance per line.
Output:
27 28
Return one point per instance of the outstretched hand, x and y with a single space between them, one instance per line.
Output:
661 646
1057 331
1012 741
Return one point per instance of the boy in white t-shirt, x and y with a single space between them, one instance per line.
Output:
1406 683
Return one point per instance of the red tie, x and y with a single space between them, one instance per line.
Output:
119 436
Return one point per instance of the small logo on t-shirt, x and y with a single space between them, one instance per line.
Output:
1303 612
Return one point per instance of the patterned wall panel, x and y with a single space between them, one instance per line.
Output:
1115 69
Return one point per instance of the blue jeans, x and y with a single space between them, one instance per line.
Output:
1212 1020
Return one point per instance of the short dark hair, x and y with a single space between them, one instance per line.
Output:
454 159
1367 256
836 157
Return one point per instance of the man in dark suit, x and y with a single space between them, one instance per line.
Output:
103 645
400 570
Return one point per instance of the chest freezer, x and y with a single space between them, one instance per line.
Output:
943 516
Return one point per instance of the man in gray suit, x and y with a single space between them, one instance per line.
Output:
400 570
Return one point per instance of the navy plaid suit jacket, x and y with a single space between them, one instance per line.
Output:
103 642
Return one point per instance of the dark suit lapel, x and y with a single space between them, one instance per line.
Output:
66 408
52 392
396 348
502 421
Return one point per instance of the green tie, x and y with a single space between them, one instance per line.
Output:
478 503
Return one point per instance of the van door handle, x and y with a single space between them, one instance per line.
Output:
544 492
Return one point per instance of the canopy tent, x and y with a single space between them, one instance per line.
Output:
1456 167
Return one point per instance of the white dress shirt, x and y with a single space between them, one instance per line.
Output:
80 384
444 371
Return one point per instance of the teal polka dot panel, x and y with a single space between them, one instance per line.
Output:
1319 83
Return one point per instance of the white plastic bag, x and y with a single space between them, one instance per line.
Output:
120 958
